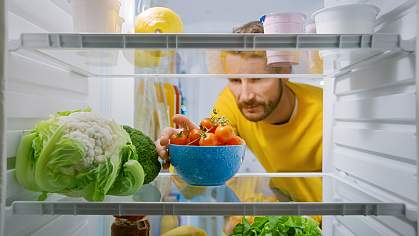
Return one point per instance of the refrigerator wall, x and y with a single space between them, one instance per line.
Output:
34 90
2 110
370 130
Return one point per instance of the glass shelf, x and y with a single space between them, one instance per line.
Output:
191 55
245 194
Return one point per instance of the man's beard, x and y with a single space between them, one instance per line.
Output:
268 106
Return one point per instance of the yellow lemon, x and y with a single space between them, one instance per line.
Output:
168 223
158 20
185 230
155 20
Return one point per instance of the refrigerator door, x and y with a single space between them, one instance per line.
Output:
370 130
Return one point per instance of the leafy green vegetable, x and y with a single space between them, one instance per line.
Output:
25 163
147 153
79 154
278 226
131 178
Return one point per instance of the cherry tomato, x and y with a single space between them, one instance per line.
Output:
179 139
194 137
224 133
214 128
235 140
208 139
207 126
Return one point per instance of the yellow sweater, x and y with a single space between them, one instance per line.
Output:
292 147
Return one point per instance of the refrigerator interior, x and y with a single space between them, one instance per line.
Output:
369 131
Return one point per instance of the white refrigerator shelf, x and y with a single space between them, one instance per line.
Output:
208 41
201 208
191 55
245 194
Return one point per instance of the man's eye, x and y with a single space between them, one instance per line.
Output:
234 81
255 79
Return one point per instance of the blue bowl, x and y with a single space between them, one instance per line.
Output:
206 165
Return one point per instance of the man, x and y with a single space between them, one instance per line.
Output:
280 121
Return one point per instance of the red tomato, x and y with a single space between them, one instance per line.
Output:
194 137
208 139
224 133
207 126
235 140
214 128
179 139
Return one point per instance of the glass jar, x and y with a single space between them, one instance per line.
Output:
130 226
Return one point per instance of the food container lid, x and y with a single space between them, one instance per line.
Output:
349 5
285 17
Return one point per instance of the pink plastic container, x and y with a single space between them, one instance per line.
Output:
311 28
287 22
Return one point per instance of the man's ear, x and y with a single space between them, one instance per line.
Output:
286 69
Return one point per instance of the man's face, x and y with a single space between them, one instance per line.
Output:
256 98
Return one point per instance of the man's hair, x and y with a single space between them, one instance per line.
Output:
251 27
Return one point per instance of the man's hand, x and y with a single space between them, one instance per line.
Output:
161 144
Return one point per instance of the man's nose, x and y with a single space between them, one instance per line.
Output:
246 92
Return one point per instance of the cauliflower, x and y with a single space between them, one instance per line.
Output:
79 154
97 135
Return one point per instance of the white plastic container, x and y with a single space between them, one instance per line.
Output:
329 59
331 3
287 22
341 19
346 19
96 16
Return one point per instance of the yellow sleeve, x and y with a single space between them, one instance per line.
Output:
299 189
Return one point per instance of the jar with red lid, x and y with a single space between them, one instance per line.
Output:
130 226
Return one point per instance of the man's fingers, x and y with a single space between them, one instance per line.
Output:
164 140
166 164
161 150
164 155
168 131
183 122
165 136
